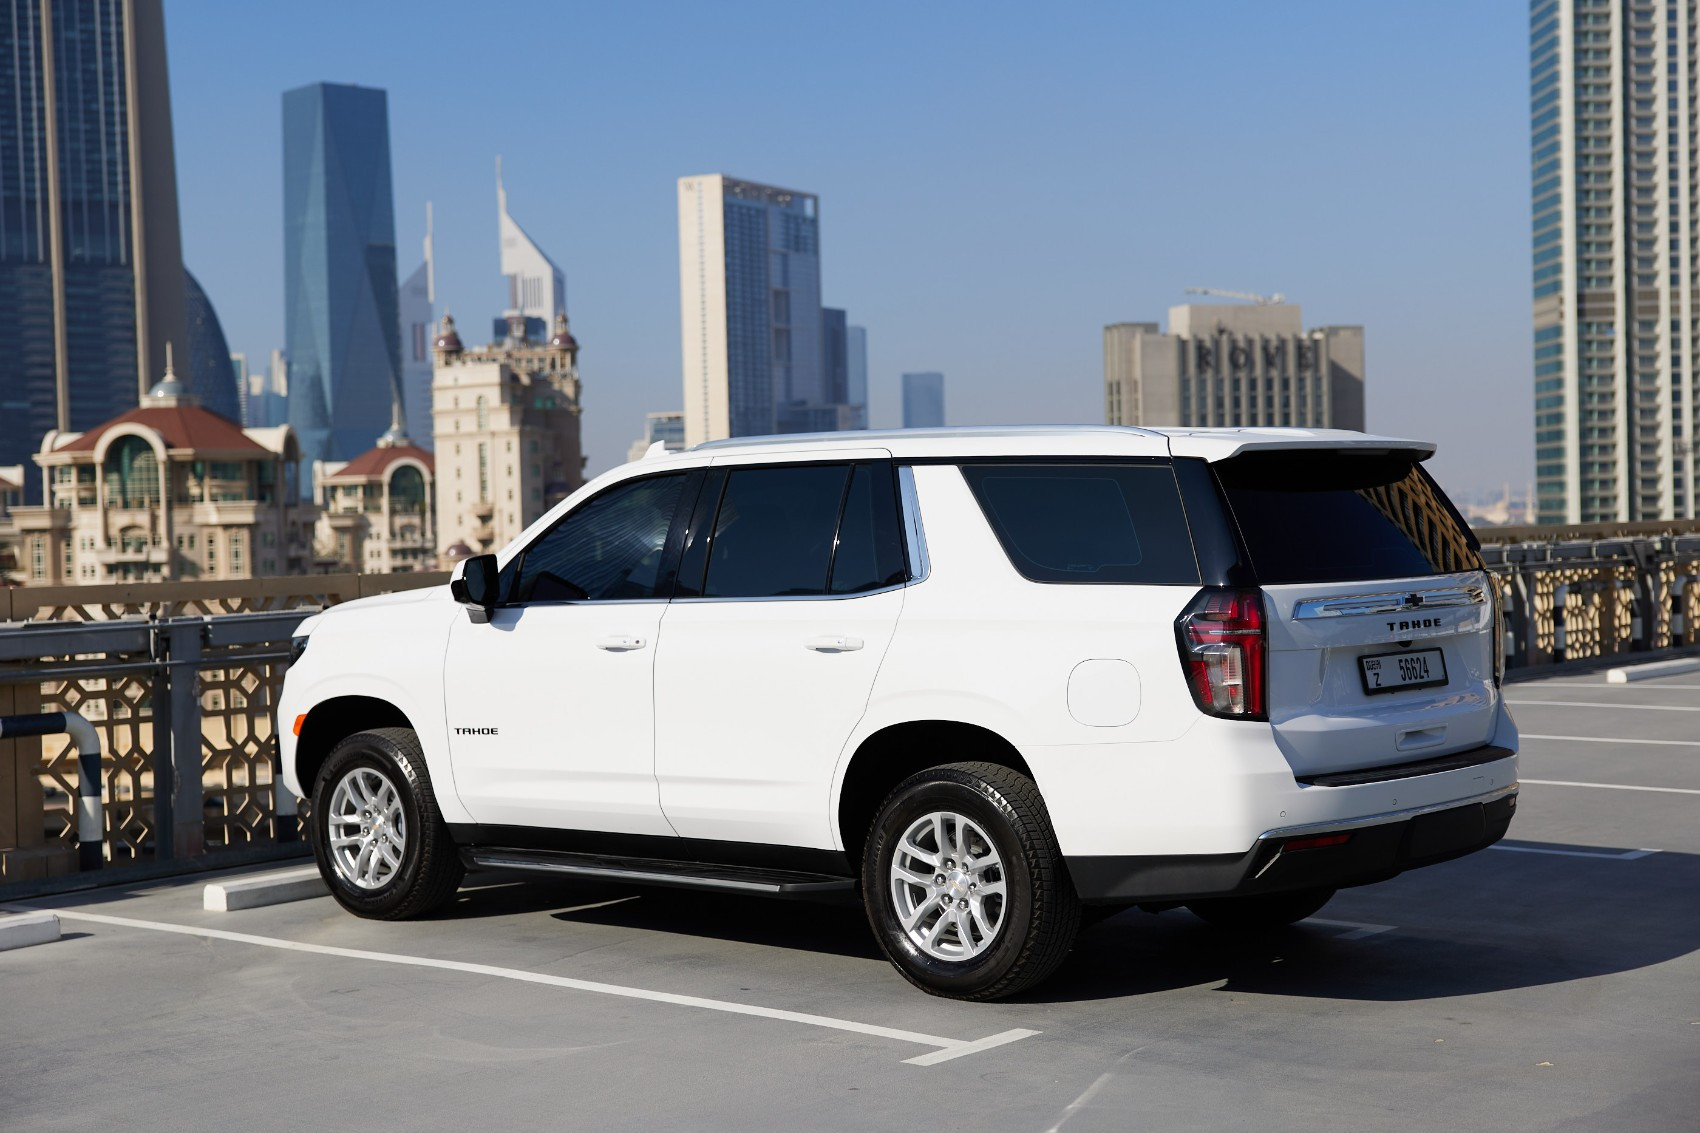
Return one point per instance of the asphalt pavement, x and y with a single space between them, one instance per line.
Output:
1551 983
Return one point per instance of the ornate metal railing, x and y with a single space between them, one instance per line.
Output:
181 681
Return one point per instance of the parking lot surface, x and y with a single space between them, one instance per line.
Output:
1549 983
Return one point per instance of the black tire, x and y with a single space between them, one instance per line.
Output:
430 869
1039 915
1271 911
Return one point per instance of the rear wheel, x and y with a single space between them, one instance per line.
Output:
380 842
965 887
1269 911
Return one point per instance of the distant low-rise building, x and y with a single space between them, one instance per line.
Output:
378 511
168 491
668 428
923 400
506 426
1222 364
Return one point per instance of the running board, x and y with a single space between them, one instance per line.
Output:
655 871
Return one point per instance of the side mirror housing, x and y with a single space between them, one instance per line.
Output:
474 586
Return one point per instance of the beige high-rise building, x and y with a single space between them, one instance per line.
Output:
506 430
1222 364
1615 275
168 491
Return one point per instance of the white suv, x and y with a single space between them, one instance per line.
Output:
986 676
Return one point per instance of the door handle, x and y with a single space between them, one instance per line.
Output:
620 644
833 643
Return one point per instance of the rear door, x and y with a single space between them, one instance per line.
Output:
788 595
1381 621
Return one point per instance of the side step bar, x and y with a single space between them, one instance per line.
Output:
655 871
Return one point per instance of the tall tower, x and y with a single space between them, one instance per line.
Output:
749 308
537 289
91 269
1614 274
342 318
418 316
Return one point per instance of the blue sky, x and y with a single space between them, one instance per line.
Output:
997 181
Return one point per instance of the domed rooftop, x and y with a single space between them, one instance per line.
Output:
447 337
563 337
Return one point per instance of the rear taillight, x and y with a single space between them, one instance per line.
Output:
1224 649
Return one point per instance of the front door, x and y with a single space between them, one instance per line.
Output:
551 704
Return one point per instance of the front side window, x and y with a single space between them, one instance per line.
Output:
608 549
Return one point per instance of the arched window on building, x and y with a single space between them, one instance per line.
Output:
132 474
407 491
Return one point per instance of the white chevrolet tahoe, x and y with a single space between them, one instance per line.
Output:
991 678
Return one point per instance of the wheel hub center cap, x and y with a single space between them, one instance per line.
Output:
956 883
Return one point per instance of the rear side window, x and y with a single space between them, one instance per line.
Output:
1087 522
786 531
1339 517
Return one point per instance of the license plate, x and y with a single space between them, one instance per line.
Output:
1390 672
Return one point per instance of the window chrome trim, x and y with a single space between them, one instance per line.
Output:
914 535
1395 602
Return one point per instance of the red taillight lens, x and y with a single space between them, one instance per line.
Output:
1223 648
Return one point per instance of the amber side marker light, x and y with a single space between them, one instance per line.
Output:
299 720
1316 843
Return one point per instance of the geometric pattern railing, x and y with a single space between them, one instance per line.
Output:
150 667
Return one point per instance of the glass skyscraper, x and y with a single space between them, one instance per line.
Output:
1616 266
210 377
91 273
342 316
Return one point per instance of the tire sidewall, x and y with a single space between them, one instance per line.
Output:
375 752
955 791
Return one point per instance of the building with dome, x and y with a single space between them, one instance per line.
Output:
377 512
506 425
168 491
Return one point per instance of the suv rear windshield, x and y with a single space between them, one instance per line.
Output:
1088 522
1331 516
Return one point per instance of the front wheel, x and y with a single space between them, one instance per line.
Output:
1271 911
380 842
965 888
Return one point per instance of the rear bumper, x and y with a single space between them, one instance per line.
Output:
1376 847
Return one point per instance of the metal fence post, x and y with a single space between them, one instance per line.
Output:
187 833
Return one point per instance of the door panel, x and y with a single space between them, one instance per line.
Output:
755 701
568 689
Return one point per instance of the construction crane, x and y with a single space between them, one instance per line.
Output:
1250 297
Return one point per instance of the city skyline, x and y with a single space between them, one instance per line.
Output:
1370 209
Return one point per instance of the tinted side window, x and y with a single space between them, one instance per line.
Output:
1333 517
1105 523
609 548
774 534
870 542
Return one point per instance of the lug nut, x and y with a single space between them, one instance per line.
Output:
939 880
962 904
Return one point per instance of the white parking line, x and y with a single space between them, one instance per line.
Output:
948 1048
1610 786
1609 740
1625 856
1646 686
1603 704
1358 929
